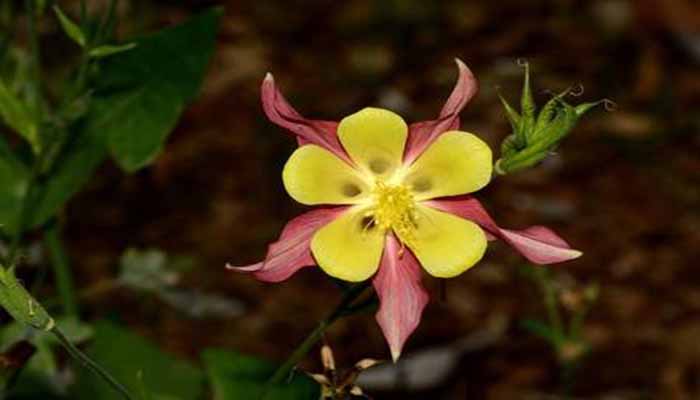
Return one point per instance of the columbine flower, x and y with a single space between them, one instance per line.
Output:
391 198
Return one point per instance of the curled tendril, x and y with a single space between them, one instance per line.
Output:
576 90
609 105
522 62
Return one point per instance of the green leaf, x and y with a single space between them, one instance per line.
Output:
527 107
143 91
73 169
513 117
41 374
139 365
20 304
109 50
14 177
544 331
17 116
70 28
138 101
235 376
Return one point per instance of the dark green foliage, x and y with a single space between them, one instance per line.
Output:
142 92
137 364
234 376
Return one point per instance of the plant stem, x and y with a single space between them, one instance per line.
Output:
107 24
34 99
550 300
22 222
91 365
61 268
568 378
34 83
348 298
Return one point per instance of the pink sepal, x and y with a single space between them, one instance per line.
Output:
422 134
402 298
291 251
307 131
538 244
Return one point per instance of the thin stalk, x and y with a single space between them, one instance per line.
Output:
24 214
34 83
576 325
303 349
61 268
34 98
550 301
108 22
568 379
83 15
91 365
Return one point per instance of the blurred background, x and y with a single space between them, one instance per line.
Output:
624 188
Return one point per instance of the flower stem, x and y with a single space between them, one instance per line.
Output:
550 300
303 349
61 268
35 101
91 365
34 82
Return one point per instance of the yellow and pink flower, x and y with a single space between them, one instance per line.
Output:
391 198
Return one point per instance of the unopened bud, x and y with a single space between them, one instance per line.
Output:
535 136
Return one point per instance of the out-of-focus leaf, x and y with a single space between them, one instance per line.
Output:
110 50
143 91
197 304
41 375
18 117
146 270
13 181
154 272
139 98
127 356
69 27
73 168
544 331
40 7
12 360
234 376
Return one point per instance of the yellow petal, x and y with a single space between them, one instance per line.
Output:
374 138
348 248
444 244
313 176
456 163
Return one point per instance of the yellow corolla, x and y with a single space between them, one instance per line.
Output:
386 194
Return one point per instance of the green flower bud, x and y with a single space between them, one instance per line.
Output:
535 136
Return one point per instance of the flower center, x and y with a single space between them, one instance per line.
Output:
394 208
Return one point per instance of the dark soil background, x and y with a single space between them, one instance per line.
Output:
624 187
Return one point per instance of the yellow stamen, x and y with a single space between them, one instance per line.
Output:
394 208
